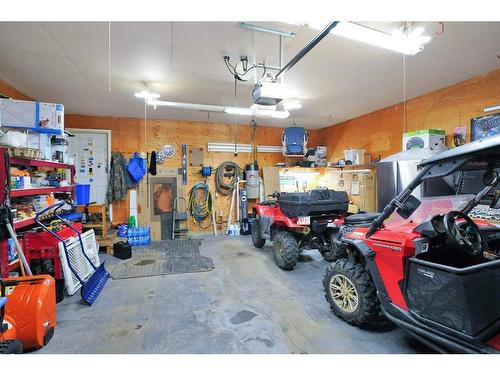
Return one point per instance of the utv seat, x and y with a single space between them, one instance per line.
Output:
360 219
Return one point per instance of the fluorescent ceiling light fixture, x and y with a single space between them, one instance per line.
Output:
408 44
492 108
271 149
199 107
229 147
292 104
146 95
260 113
238 111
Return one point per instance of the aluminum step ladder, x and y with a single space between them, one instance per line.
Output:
180 222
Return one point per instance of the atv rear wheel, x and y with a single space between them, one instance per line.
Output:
351 293
332 253
286 250
257 240
11 347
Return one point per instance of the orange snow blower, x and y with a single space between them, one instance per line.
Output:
27 312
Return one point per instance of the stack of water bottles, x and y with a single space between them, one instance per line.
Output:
138 236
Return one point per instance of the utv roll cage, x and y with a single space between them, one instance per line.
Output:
481 154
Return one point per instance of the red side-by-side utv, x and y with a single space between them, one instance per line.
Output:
426 264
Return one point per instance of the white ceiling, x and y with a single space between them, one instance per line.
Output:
338 80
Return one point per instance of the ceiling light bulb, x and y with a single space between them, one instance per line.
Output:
146 95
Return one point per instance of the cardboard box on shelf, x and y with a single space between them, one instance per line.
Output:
426 138
35 116
42 143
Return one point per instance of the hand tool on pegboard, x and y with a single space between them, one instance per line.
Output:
183 169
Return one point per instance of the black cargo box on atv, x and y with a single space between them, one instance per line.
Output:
314 203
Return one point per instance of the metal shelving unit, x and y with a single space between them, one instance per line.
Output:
6 193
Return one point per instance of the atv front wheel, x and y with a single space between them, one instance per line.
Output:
257 240
11 347
350 292
286 250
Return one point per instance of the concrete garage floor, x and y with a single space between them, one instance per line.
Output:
245 305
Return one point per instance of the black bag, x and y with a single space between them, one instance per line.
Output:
314 203
122 250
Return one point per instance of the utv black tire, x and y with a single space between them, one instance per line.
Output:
286 250
11 347
257 240
368 307
335 252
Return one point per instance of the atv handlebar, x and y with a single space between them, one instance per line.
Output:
276 195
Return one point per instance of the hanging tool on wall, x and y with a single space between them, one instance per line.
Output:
200 203
226 176
183 169
206 171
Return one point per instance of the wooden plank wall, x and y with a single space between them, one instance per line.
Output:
11 92
130 135
380 132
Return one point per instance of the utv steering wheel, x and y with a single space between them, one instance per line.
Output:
467 235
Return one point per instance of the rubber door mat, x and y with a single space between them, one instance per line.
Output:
162 258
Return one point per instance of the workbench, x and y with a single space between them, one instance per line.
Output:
95 208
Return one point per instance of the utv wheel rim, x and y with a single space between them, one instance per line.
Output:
344 293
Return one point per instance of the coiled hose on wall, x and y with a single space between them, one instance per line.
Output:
200 203
226 176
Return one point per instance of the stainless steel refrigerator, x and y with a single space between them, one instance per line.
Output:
396 171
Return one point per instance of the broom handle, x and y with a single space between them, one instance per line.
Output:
25 268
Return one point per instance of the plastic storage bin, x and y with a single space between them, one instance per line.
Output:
355 156
82 194
314 203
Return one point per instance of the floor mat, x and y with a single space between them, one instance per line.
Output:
163 258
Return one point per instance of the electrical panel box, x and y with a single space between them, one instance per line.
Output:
35 116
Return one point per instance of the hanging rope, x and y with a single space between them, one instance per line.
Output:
109 56
404 93
200 203
226 176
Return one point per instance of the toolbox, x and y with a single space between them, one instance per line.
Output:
122 250
314 203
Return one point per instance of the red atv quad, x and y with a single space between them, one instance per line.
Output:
430 269
298 221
